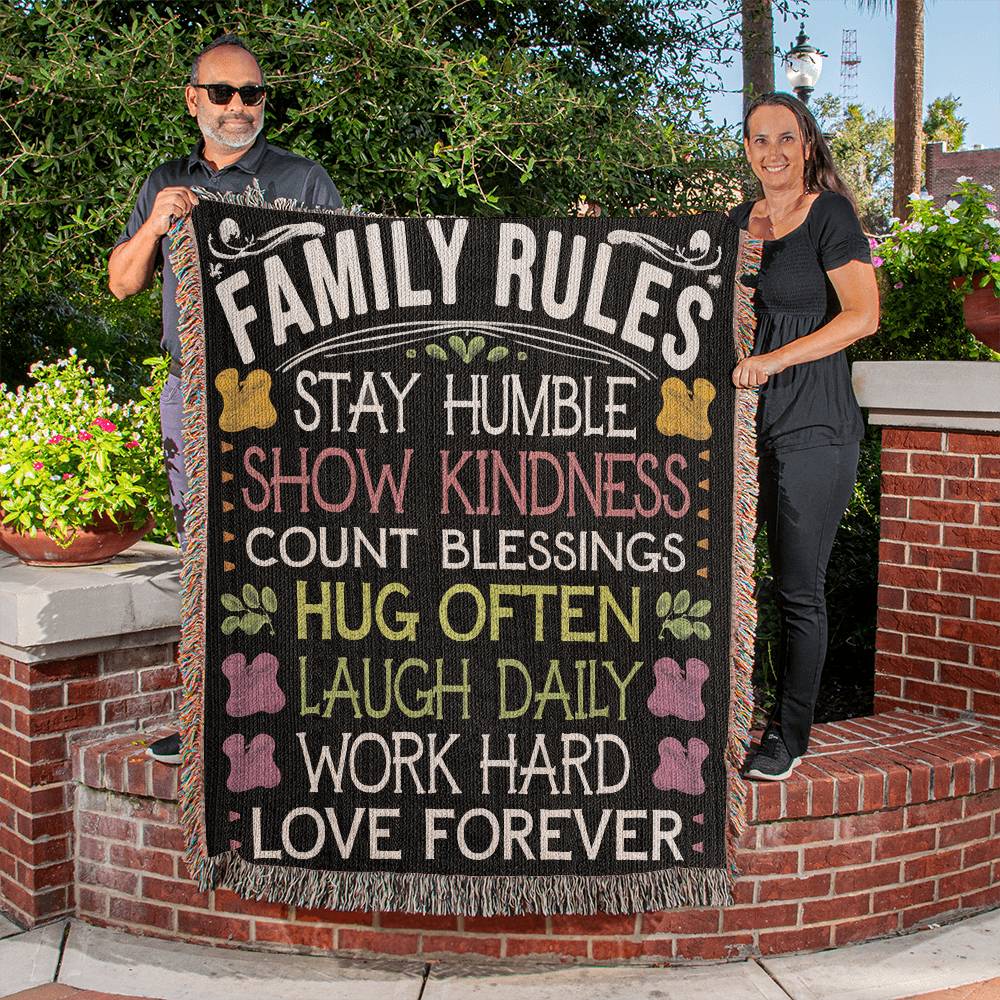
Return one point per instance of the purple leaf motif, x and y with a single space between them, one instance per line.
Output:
677 692
250 766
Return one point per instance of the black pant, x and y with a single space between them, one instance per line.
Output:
803 495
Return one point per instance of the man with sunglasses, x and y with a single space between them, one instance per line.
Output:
227 96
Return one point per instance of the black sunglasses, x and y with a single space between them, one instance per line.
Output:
221 93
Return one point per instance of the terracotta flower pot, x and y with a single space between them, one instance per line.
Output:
100 542
981 309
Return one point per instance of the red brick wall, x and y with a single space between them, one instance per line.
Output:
45 709
889 823
938 644
944 169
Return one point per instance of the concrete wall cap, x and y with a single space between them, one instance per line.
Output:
956 395
47 612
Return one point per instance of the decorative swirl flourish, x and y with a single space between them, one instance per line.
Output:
235 245
694 258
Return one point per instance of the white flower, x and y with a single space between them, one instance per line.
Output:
72 352
932 229
5 468
962 180
951 219
916 227
992 223
950 206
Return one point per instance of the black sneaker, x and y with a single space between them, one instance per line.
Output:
771 761
167 750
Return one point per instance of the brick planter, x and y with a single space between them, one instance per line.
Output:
939 573
65 677
892 822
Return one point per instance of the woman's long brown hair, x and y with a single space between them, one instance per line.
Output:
820 170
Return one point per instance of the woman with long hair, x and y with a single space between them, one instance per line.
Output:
815 296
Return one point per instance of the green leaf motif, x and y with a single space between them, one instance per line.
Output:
497 354
456 343
700 608
681 602
232 603
269 599
681 628
476 345
230 624
663 604
250 596
701 630
252 623
437 352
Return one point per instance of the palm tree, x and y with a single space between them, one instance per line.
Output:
758 50
907 100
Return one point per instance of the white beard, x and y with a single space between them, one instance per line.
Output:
242 138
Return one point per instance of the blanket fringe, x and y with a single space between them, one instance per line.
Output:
481 895
187 268
744 613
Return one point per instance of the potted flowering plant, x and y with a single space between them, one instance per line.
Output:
80 472
960 242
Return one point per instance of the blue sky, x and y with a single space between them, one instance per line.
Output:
961 57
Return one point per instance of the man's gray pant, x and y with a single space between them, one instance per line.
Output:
171 422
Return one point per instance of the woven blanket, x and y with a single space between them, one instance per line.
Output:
467 618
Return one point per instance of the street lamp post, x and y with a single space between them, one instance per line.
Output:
803 64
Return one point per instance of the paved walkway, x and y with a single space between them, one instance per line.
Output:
74 961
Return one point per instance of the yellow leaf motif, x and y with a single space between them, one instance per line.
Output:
685 412
245 404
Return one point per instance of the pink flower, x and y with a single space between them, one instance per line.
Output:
67 475
132 444
55 439
85 435
898 284
994 257
877 262
105 425
991 206
37 465
872 242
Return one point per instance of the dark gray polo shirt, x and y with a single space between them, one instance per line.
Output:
279 173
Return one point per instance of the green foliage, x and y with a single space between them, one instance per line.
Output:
921 311
942 123
862 146
413 106
961 238
69 451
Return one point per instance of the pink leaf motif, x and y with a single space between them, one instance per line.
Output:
677 692
252 688
251 766
680 766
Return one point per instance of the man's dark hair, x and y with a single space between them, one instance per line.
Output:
235 41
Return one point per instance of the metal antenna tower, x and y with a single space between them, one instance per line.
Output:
849 63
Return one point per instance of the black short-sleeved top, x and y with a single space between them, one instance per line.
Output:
812 403
278 173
